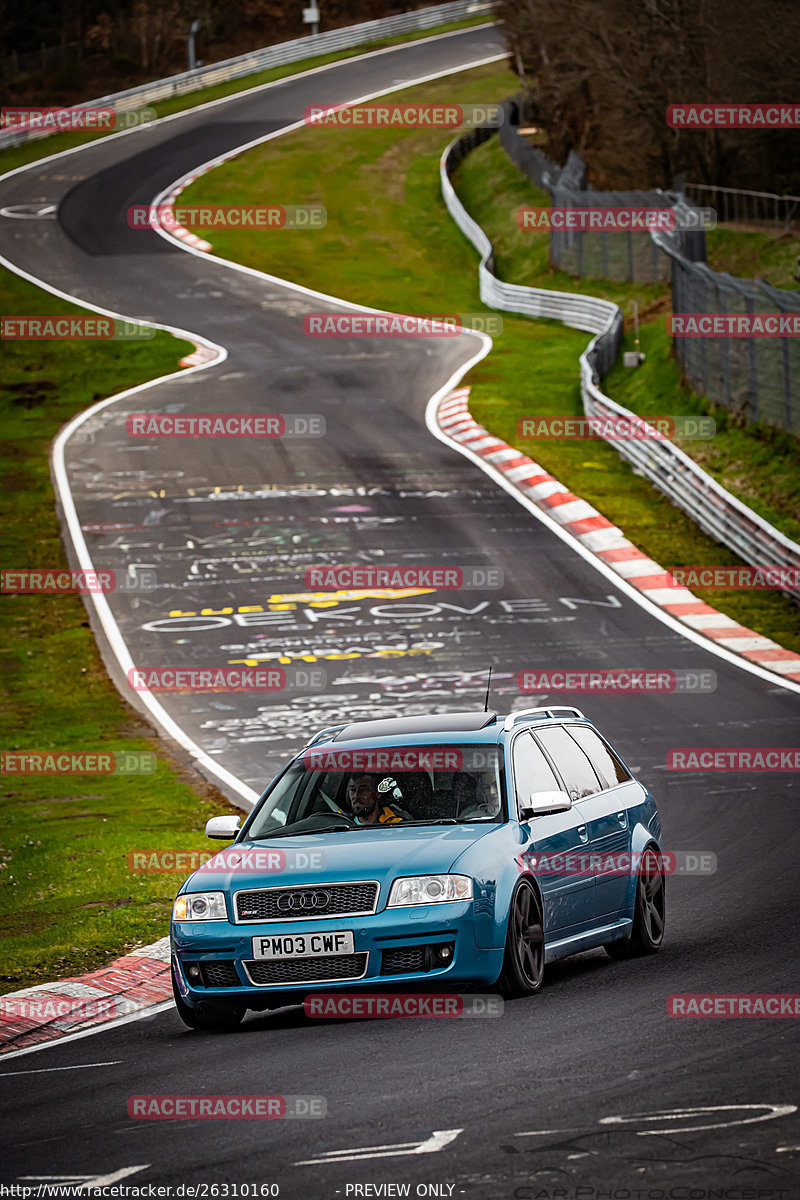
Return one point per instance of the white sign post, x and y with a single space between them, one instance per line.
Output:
311 17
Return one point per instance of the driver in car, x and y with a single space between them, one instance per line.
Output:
368 799
478 798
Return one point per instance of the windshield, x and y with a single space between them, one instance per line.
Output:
380 787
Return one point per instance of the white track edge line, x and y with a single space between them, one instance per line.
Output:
430 420
102 608
602 567
109 624
151 1011
62 437
238 95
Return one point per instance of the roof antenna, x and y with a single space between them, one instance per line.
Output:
488 685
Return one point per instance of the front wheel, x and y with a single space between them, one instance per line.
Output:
206 1016
523 963
649 912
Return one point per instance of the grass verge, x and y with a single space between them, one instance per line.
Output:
755 255
68 901
387 238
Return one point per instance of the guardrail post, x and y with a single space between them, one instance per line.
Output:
664 464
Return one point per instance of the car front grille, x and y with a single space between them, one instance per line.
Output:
403 960
221 973
338 900
307 970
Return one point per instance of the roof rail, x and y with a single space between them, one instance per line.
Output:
543 713
323 733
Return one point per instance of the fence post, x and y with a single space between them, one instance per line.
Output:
787 385
752 365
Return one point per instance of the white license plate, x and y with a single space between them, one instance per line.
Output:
303 945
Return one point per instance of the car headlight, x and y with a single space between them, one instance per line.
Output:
430 889
200 906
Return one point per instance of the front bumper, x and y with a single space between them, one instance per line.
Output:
214 962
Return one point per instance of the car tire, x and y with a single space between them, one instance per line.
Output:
649 913
523 961
207 1016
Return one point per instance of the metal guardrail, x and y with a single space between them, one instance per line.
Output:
581 312
603 254
271 56
711 506
756 378
742 208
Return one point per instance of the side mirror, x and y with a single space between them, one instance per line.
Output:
542 803
224 828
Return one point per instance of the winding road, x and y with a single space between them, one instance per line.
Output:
589 1085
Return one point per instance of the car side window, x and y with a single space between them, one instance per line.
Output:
575 768
602 757
532 771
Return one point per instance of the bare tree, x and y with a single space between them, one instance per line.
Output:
600 74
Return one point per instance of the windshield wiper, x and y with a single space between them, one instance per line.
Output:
292 831
432 821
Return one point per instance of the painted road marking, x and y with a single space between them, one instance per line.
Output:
112 631
153 1011
28 212
767 1112
437 1141
548 1132
591 544
45 1070
87 1181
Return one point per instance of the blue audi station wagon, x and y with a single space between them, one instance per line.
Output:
445 852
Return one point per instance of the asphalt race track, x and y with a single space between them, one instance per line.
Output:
589 1085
